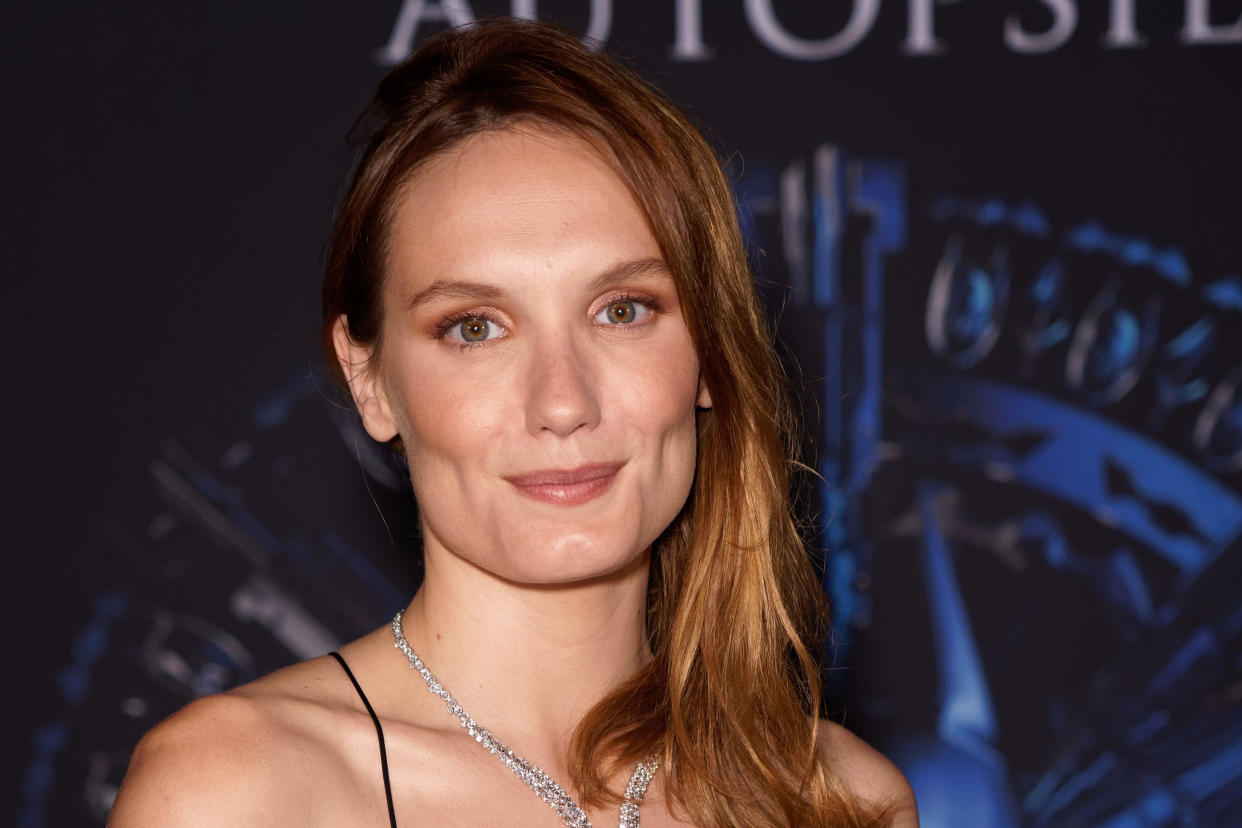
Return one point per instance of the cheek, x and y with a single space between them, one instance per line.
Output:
670 400
673 439
671 380
445 416
658 402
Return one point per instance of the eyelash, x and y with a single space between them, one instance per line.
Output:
649 302
447 324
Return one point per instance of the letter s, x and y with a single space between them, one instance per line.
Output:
1064 21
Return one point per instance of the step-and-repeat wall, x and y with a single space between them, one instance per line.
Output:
999 241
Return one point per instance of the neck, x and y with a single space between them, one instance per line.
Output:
528 661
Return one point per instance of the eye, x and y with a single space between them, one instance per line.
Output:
624 310
470 329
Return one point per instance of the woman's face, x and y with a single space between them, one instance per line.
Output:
535 360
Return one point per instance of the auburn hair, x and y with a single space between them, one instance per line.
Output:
736 613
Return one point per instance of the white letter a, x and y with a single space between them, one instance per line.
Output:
413 13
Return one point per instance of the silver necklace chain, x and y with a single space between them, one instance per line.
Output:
544 786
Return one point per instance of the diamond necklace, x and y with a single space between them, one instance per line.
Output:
544 786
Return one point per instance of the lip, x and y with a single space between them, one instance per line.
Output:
567 487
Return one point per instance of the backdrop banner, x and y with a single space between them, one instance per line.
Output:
999 243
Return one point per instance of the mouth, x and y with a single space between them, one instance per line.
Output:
567 487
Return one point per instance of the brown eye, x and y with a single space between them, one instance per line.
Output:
622 313
474 329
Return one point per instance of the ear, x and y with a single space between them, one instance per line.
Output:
704 399
365 383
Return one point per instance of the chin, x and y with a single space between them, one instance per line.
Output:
570 560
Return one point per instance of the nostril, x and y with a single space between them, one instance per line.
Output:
561 398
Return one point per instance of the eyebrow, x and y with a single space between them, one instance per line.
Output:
650 266
454 289
461 289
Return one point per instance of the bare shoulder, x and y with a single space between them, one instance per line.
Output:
869 774
238 758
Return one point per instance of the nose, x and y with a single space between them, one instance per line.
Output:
561 394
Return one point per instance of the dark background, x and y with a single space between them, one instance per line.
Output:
171 174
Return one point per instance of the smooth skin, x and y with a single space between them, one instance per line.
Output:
529 325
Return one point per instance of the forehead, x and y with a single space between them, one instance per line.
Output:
513 201
518 198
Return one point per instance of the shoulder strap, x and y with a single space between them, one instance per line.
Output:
379 731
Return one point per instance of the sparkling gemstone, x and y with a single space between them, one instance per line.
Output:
539 782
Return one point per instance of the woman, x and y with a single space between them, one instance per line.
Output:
537 290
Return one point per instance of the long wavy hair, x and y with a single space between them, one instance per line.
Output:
736 614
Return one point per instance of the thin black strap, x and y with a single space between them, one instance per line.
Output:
392 814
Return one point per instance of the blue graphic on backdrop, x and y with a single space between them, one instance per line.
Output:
1036 445
232 576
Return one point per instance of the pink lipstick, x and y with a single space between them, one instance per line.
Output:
567 487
